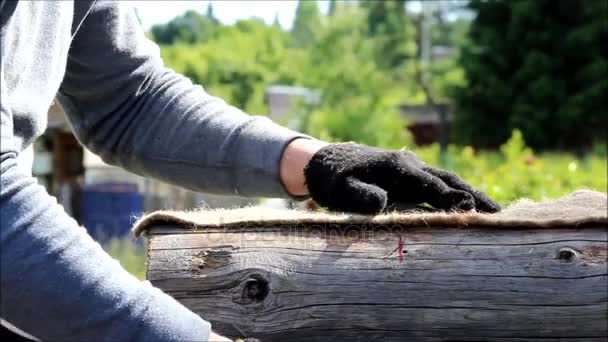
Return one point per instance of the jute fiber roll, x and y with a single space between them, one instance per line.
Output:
578 209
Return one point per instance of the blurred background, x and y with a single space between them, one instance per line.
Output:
511 95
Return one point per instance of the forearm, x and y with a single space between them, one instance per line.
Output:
135 113
58 284
176 132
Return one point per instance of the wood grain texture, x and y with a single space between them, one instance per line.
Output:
338 282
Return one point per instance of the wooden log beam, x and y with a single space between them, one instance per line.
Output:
335 282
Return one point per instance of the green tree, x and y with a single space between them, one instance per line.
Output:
449 23
441 28
332 7
358 99
275 21
539 66
392 29
191 28
306 24
356 103
210 15
237 63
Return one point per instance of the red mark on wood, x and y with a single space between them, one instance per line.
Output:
400 248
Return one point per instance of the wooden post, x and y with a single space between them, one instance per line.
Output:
335 282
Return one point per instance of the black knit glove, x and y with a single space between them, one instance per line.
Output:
361 179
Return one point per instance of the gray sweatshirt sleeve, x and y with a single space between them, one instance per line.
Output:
57 284
135 113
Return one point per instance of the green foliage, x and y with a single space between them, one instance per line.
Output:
131 257
442 73
517 172
355 104
306 24
332 7
507 77
356 57
447 32
447 74
392 30
359 97
238 75
539 66
190 28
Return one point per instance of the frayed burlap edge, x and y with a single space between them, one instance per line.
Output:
578 209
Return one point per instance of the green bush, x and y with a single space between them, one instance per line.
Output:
516 171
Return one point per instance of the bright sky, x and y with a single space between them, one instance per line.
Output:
227 11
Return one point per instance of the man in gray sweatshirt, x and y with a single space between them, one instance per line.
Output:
125 106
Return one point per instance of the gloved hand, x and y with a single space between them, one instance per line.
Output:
361 179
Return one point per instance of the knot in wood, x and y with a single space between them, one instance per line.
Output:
255 290
566 254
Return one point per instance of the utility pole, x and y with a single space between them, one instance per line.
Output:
425 42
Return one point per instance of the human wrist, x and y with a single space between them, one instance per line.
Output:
295 157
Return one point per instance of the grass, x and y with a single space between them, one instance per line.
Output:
131 255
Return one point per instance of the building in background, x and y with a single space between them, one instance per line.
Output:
285 102
424 121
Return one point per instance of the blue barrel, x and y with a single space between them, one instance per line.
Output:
110 209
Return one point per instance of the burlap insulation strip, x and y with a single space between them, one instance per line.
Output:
578 209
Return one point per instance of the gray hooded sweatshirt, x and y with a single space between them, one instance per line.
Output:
124 105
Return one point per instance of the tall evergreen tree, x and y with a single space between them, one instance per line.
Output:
275 21
191 27
306 23
210 15
332 7
540 66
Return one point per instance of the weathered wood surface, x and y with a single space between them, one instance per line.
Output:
350 284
